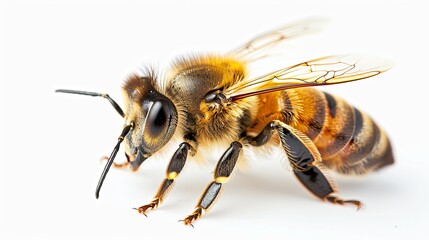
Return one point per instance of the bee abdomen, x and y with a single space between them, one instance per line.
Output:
367 149
349 141
339 128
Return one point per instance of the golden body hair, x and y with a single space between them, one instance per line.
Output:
209 100
348 140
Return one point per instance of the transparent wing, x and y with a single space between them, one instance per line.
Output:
253 49
323 71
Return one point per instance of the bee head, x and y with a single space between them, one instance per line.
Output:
152 115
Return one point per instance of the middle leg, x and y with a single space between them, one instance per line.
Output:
223 170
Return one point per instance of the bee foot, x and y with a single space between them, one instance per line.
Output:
337 200
151 206
115 165
193 217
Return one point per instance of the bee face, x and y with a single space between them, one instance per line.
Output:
152 115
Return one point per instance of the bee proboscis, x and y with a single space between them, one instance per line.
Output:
210 99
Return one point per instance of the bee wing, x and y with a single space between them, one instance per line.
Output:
250 50
322 71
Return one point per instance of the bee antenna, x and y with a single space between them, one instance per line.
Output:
94 94
111 158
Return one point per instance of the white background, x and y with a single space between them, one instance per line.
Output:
51 143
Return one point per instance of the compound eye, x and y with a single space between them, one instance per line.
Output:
157 120
159 124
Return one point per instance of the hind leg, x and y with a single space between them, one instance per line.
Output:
305 160
321 186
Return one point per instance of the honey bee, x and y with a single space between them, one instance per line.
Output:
207 99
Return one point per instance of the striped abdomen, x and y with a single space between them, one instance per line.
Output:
348 140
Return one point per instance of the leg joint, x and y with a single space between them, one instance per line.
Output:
265 135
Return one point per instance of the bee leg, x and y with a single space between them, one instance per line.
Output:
337 200
307 164
320 185
118 165
223 170
305 160
176 165
133 165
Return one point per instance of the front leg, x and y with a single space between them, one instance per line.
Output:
173 170
133 165
223 170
